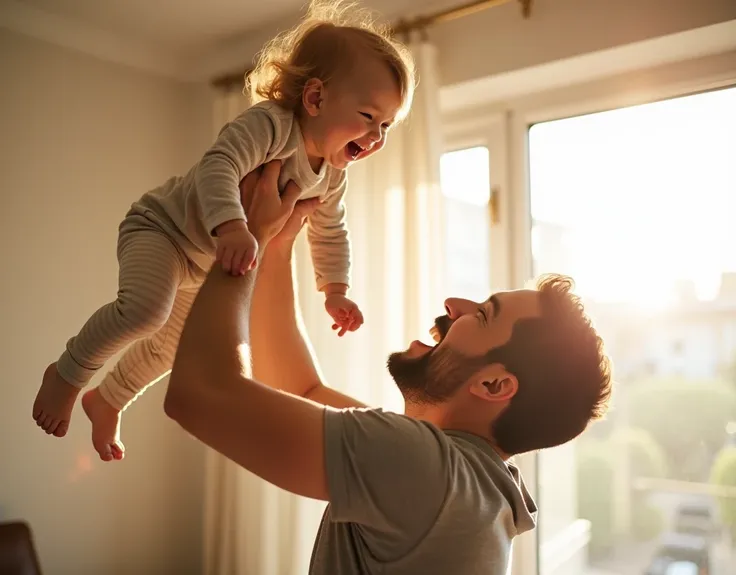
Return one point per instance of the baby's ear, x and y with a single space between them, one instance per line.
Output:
312 96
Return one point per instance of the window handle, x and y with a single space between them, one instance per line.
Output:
493 208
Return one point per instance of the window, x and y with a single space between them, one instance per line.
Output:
465 181
634 204
678 348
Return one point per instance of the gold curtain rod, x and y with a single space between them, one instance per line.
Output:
467 9
403 27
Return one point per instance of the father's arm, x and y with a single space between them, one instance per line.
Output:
386 473
282 356
276 435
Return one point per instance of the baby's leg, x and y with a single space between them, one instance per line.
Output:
144 363
151 269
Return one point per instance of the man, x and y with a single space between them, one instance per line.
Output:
427 492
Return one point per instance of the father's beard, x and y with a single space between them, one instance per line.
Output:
435 376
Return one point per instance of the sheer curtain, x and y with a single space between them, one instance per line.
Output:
246 520
395 218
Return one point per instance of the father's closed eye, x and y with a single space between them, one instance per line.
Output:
496 306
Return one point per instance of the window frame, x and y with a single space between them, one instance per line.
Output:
503 127
508 244
490 131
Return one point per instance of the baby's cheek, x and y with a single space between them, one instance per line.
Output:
349 129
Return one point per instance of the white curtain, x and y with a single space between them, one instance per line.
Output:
246 520
394 207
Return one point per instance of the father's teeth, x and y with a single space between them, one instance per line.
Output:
435 333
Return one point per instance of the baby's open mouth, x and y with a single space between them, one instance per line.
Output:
353 150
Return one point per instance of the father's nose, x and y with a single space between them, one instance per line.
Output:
456 307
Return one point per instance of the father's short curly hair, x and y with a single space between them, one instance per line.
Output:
563 371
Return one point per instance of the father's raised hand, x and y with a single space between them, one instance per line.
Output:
261 185
267 211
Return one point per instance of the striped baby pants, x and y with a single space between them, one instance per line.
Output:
156 287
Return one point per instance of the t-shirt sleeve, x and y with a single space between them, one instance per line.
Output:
388 474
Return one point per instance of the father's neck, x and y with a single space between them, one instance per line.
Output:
445 419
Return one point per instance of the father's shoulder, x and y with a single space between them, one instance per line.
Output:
493 477
387 425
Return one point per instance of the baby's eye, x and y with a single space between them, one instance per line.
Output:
365 115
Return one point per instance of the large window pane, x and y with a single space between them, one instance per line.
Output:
639 206
466 189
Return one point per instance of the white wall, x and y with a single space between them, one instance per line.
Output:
500 40
79 141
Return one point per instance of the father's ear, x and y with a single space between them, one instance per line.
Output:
494 383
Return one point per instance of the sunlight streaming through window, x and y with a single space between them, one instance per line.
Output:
638 205
465 183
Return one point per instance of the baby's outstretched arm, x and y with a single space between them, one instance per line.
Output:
328 239
242 146
330 247
344 312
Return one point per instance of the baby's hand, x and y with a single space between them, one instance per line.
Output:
236 247
344 312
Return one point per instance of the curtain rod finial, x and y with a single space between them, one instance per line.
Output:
526 8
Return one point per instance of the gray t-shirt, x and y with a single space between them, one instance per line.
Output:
409 498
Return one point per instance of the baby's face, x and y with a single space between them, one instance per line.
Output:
356 114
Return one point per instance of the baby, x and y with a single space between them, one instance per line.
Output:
324 95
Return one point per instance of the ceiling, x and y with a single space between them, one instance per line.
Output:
190 40
189 25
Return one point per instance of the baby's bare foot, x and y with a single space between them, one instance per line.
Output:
105 425
54 402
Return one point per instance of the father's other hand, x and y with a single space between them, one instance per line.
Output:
262 182
266 210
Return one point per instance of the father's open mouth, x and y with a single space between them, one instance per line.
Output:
436 334
440 328
438 331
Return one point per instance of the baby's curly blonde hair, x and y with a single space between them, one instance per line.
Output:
324 45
